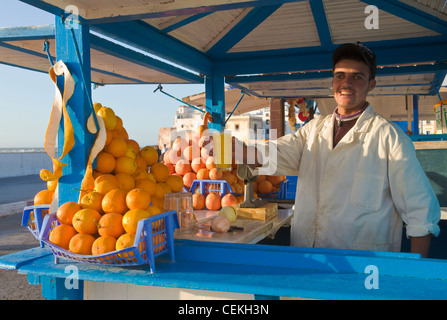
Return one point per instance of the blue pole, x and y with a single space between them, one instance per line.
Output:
215 100
415 128
73 48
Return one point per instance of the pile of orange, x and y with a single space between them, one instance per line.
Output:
130 185
191 158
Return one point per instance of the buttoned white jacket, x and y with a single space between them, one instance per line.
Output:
356 195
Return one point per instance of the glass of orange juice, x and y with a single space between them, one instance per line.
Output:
222 150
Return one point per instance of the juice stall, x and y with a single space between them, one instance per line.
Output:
267 49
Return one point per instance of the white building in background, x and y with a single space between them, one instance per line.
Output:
248 127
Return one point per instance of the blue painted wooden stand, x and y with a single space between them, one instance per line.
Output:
264 271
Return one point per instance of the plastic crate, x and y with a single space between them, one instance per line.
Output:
222 187
280 194
291 187
32 218
154 237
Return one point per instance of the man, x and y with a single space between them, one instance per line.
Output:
358 175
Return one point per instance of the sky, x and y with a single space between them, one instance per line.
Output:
26 97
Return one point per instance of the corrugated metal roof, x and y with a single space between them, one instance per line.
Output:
231 38
108 66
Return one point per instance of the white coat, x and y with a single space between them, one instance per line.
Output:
355 196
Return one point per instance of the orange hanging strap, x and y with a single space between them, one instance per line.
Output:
59 109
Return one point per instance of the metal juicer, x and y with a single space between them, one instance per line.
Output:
247 174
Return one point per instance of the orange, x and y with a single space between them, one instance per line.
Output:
125 164
147 185
97 106
171 168
119 123
131 218
237 188
212 201
182 167
188 179
109 117
66 211
86 220
210 163
104 186
134 144
265 186
174 156
111 225
108 176
153 210
198 201
228 200
149 154
175 183
160 171
44 197
109 136
61 235
103 245
161 189
275 180
140 162
158 202
261 178
105 162
138 199
117 147
191 152
131 152
92 200
197 164
114 201
125 241
215 174
166 158
229 177
124 134
125 181
140 173
81 244
203 174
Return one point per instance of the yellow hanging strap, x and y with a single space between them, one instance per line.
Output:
59 109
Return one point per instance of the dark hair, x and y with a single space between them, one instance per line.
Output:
358 52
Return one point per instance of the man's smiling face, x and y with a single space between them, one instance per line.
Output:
351 85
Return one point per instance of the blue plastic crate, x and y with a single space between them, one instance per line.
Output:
291 188
32 218
280 194
222 187
154 237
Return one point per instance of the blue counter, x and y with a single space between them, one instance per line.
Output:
260 270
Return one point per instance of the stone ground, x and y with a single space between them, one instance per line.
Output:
14 237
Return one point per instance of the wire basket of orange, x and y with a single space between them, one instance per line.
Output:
143 239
